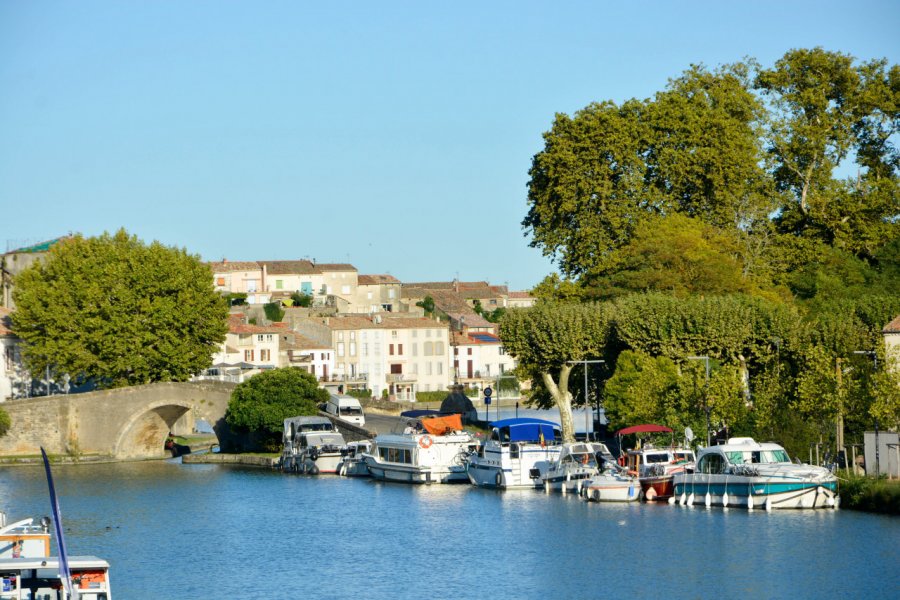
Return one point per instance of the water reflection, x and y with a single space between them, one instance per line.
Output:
208 531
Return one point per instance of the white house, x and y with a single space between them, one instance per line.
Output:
402 355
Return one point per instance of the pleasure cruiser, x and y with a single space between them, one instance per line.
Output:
425 448
576 464
749 474
514 448
311 445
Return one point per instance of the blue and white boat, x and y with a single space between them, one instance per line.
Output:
748 474
514 449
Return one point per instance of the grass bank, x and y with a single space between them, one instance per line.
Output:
870 495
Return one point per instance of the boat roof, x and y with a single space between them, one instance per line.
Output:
744 444
513 422
647 428
52 562
415 414
307 420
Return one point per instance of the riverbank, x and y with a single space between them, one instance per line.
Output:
871 495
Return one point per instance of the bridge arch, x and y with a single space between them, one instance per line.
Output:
144 433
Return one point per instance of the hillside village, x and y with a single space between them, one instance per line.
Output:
359 332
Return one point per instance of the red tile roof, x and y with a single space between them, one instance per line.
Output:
893 326
237 325
377 279
346 323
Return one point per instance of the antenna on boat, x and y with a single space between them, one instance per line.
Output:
65 573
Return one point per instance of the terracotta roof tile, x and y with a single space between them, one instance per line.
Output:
520 295
377 279
227 266
334 267
345 323
893 326
237 325
289 267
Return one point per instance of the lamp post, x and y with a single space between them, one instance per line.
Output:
587 410
874 356
706 395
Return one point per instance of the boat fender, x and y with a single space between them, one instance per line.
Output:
313 454
425 442
499 480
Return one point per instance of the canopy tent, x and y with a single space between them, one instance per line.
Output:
442 425
644 429
526 429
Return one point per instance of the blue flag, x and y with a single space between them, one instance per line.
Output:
65 574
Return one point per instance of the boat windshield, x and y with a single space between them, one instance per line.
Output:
656 457
747 457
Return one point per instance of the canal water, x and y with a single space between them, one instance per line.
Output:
174 531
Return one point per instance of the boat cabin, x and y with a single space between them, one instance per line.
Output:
302 432
22 539
39 577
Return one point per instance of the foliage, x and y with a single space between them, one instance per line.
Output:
273 311
262 403
5 422
431 396
116 312
546 339
304 300
236 298
360 394
869 494
426 304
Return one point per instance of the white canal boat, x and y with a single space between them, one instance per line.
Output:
353 462
745 473
311 445
576 464
24 539
514 448
612 484
39 577
424 449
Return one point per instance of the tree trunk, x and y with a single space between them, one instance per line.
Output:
563 399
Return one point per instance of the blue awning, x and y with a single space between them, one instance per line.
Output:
526 429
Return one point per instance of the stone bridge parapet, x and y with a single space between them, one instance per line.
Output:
123 423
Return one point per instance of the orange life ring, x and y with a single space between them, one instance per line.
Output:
425 442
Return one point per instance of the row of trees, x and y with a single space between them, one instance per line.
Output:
710 221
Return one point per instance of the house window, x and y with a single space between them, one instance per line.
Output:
368 295
440 368
345 289
391 293
427 333
415 333
265 355
340 349
279 284
248 355
365 349
502 350
428 368
400 349
429 349
352 348
220 281
269 337
391 349
394 335
415 349
439 348
340 336
470 351
352 336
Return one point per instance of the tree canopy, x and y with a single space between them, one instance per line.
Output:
547 340
114 311
262 403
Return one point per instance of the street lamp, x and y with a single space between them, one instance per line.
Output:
706 397
587 412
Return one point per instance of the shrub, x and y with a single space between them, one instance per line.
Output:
5 422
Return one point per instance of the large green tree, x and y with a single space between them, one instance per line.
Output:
548 340
262 403
114 311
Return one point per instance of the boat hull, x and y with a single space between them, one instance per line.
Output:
752 493
496 469
402 473
612 488
658 488
324 464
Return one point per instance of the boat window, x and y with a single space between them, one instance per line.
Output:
395 455
656 458
712 464
514 451
495 435
688 456
758 457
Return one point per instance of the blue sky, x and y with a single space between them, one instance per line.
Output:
396 136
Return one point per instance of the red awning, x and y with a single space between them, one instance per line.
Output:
644 429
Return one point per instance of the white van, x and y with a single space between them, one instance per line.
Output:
346 408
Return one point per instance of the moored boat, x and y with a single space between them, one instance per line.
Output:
24 539
352 463
612 484
656 468
749 474
311 445
576 464
39 577
513 449
423 449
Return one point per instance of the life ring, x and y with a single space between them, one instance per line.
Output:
425 442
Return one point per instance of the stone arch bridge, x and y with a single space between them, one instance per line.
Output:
123 423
